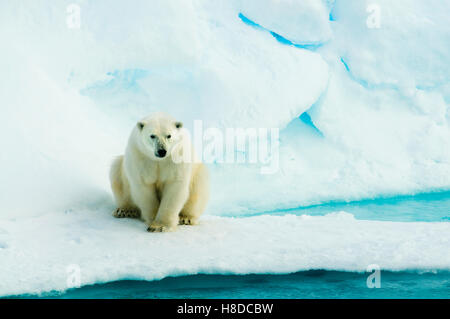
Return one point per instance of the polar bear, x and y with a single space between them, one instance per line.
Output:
159 178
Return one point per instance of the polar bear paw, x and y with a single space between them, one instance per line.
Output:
126 213
158 228
186 220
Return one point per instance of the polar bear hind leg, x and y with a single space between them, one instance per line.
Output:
198 197
121 191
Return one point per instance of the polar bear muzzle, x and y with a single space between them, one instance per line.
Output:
161 153
160 150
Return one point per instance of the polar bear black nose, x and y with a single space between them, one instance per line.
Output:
161 153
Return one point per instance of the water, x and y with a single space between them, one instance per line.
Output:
307 284
433 207
430 207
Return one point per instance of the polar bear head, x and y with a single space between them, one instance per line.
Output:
158 135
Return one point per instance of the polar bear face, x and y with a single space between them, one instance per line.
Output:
159 135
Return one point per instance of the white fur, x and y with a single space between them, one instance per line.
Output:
165 191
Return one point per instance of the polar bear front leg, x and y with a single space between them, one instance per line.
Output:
146 199
174 197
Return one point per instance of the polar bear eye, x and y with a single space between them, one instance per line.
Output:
152 136
169 136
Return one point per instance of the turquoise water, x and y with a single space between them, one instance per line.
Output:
308 284
433 207
430 207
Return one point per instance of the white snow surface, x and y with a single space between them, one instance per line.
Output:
41 251
69 98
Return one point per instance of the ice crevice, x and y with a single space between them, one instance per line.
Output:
280 38
363 82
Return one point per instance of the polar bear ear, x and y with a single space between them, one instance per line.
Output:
140 125
178 124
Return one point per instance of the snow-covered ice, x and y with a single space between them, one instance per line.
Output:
40 251
377 102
